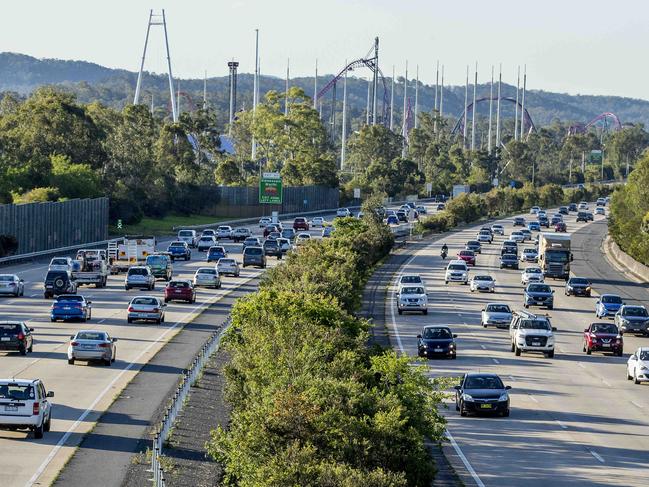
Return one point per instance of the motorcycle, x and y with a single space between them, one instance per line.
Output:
444 253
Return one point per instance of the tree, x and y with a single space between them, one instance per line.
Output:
74 180
227 173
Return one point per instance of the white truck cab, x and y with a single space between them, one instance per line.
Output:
531 333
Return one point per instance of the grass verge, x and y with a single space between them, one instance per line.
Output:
163 226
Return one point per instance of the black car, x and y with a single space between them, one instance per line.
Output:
272 247
590 216
572 207
15 336
564 210
582 216
509 260
437 340
509 247
474 245
519 221
402 216
57 283
544 222
482 393
578 286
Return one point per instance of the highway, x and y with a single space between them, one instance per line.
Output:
575 419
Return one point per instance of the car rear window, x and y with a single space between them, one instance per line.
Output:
16 392
156 259
59 262
206 271
69 297
6 278
226 261
137 271
90 335
482 278
146 301
9 329
54 274
186 233
179 284
219 250
253 251
207 239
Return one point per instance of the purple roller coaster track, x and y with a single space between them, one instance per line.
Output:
580 128
459 125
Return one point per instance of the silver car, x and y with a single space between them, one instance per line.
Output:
228 266
496 314
146 308
140 277
92 345
11 284
252 242
207 277
205 242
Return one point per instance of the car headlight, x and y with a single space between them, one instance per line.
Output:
503 397
644 367
467 397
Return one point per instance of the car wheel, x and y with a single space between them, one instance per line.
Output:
108 362
505 413
46 426
588 351
635 378
129 320
457 408
484 325
472 290
127 288
525 306
517 351
551 307
513 347
426 311
583 347
462 411
31 347
400 311
22 350
628 376
619 353
52 320
445 282
38 432
71 361
551 354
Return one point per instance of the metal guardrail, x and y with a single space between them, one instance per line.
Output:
43 253
177 402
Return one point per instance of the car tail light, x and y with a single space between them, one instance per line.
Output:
130 309
21 336
74 344
155 310
104 345
36 408
13 284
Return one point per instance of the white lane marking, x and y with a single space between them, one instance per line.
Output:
562 425
464 459
606 383
581 365
637 405
483 347
533 398
90 408
511 377
102 320
596 455
34 295
496 361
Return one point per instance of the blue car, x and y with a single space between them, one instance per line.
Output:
534 226
215 253
179 250
71 307
608 305
392 220
539 294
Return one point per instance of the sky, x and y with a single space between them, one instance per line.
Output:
569 46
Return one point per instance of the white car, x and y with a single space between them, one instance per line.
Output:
484 237
498 229
92 345
208 232
534 210
483 283
224 231
265 221
302 238
228 266
600 210
531 333
412 298
457 271
318 221
496 314
582 206
205 242
343 212
532 274
410 280
207 277
188 236
529 255
517 237
637 367
60 264
26 405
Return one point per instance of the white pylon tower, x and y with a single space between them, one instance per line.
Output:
343 148
392 101
157 19
417 99
474 110
466 106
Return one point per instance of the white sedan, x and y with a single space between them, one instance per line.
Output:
517 237
637 367
532 274
482 283
302 238
263 222
318 221
228 266
207 277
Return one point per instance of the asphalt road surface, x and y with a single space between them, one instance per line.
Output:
575 419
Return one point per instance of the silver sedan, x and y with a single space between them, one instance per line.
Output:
146 308
11 284
207 277
91 345
228 266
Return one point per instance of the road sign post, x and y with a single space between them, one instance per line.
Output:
270 188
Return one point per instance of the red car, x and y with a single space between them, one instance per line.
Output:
180 290
273 227
300 224
560 227
467 256
603 337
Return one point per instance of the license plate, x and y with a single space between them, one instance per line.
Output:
5 339
87 347
66 307
485 406
536 344
438 350
606 345
11 408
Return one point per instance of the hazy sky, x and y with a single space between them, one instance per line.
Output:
573 46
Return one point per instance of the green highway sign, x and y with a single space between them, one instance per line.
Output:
270 188
595 157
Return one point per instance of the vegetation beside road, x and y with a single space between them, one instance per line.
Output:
163 226
313 405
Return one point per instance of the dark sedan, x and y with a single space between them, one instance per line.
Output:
482 393
578 286
509 260
437 340
474 245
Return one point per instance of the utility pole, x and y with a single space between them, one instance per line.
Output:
466 109
288 64
417 99
523 103
518 82
343 138
436 89
441 103
375 81
570 172
473 111
367 106
255 93
404 124
491 102
315 87
392 101
500 82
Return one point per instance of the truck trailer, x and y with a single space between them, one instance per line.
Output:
555 255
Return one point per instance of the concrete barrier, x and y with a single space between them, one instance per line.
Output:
623 260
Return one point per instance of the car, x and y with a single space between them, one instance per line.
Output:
402 216
600 202
544 222
534 210
529 255
563 210
146 308
272 248
412 298
578 286
474 245
542 213
26 405
223 232
437 340
538 294
254 256
239 234
534 226
509 260
328 230
189 237
482 392
318 221
205 242
300 223
421 209
302 238
16 336
600 210
632 318
272 228
57 283
252 241
531 333
160 266
517 237
179 250
180 290
410 280
71 307
509 247
139 277
519 221
608 304
487 229
573 207
590 216
603 337
207 277
582 216
457 271
391 220
485 237
60 264
560 227
483 282
215 253
441 207
527 234
555 220
208 232
11 284
467 256
498 229
227 266
274 236
532 274
637 367
92 345
343 212
288 233
285 245
265 221
583 206
496 314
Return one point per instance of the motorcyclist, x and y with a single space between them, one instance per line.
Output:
444 251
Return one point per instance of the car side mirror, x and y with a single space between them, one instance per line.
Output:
633 357
164 305
553 291
586 330
572 258
457 388
418 336
50 393
454 335
89 302
508 388
597 302
482 309
22 280
114 340
71 337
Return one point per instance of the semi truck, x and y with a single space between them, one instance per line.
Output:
555 255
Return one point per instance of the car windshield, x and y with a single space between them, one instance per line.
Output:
539 288
206 271
579 280
412 290
186 233
146 301
644 355
482 278
604 328
137 271
509 257
498 308
156 260
612 299
483 382
635 311
16 392
179 284
456 267
535 325
560 256
91 335
253 251
177 244
468 253
6 278
410 279
473 242
533 270
437 333
529 251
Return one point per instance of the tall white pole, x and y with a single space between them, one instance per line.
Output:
255 92
205 91
500 82
436 90
491 102
404 125
441 96
315 87
367 107
375 79
136 98
343 139
417 99
466 103
178 99
174 109
518 83
288 63
522 137
392 101
474 109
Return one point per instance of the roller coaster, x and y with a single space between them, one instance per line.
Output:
603 119
459 125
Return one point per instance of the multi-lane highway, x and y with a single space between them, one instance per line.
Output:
575 419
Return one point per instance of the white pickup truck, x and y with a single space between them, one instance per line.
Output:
91 267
